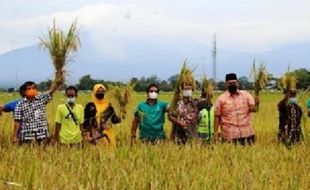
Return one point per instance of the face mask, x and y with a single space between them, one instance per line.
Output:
99 96
292 101
153 95
71 100
187 93
232 88
31 93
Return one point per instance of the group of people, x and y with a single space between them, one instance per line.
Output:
190 117
200 119
73 124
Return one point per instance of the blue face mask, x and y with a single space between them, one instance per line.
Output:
292 101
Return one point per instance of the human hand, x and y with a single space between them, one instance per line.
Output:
256 100
215 138
15 140
133 140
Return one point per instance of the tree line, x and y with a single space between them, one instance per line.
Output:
86 82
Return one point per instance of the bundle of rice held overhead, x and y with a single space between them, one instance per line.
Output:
185 78
288 81
61 47
261 78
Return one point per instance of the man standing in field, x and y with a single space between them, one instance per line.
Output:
30 115
184 117
69 119
150 117
233 113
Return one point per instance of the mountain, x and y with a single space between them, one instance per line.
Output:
141 57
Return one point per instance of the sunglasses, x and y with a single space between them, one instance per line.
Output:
154 91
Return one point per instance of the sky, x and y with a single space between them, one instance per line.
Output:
242 25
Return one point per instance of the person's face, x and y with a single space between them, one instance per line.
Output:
100 91
232 82
153 93
31 91
153 89
187 87
232 86
71 94
31 87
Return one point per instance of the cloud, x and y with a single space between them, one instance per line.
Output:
111 26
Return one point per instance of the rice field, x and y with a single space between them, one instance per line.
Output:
266 165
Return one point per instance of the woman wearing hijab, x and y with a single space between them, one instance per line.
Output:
101 131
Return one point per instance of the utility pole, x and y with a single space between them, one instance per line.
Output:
214 61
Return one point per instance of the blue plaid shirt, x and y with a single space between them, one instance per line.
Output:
32 115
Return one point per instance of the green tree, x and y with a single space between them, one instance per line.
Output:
303 78
86 83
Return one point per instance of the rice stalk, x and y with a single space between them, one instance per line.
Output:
185 78
260 77
61 47
122 94
288 81
206 86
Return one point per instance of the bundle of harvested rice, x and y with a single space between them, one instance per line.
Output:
207 87
288 81
260 77
61 47
185 78
122 95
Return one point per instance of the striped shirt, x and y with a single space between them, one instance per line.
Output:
32 115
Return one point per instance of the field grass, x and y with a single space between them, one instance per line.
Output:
266 165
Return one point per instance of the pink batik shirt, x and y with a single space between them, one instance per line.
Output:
234 111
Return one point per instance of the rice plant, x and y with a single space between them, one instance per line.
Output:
61 47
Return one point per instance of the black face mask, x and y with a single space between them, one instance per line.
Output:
99 96
232 88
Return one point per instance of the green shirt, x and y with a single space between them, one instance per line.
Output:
70 132
308 105
151 120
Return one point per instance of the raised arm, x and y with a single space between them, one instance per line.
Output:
53 88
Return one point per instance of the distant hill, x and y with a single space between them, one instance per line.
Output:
144 58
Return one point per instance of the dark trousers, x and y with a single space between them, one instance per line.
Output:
181 135
243 140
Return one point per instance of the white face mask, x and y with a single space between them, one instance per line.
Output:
153 95
187 93
71 100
